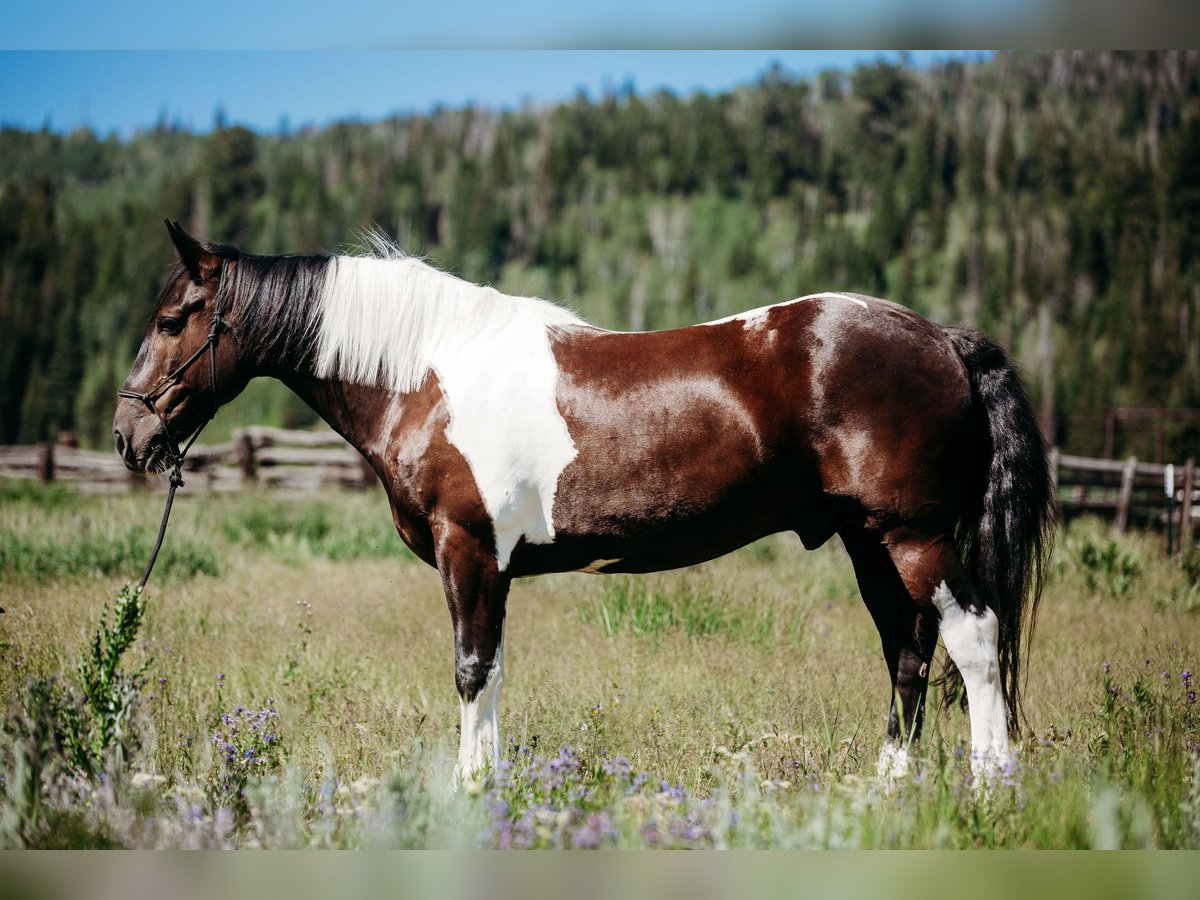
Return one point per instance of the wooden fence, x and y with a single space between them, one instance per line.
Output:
299 460
1129 493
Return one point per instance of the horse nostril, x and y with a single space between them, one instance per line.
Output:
120 442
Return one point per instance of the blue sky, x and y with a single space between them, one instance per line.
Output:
478 24
126 91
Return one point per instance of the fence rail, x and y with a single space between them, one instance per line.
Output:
1129 492
276 457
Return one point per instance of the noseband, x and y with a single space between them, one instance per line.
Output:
217 327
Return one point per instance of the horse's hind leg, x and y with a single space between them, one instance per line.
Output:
935 578
908 632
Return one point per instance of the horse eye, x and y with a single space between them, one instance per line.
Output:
170 326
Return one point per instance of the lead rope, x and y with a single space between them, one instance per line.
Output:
175 479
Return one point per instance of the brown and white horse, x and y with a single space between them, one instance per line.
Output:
514 439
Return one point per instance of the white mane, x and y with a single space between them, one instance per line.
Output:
387 318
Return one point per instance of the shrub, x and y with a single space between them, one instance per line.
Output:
1108 566
110 694
59 733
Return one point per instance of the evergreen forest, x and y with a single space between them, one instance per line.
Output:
1051 199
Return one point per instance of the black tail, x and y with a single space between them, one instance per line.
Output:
1005 536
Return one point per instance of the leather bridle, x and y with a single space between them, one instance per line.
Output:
177 454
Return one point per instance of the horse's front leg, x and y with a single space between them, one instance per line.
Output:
475 592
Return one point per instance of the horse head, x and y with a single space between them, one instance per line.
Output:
188 363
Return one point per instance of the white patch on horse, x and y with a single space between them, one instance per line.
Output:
757 318
893 763
594 567
390 320
504 418
479 743
972 640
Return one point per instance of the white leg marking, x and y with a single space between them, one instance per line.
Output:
893 763
479 745
971 640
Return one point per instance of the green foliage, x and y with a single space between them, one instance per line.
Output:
1109 566
308 529
55 495
101 553
698 610
1047 198
59 731
1187 595
246 748
31 756
1190 563
674 732
109 693
1154 705
50 531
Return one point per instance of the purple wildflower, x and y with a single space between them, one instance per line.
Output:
676 794
650 833
617 767
596 831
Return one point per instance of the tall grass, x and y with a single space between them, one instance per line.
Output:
303 696
49 531
696 607
310 529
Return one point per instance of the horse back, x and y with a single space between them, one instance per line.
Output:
795 417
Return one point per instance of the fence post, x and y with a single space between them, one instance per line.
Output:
46 461
1169 487
245 451
1185 508
1126 498
1055 462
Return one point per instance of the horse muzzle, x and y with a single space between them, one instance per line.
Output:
140 439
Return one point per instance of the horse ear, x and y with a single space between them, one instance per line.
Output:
199 262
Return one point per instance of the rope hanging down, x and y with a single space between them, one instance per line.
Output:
177 455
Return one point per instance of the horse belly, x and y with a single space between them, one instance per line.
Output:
629 529
667 476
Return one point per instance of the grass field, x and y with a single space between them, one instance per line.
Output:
289 683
